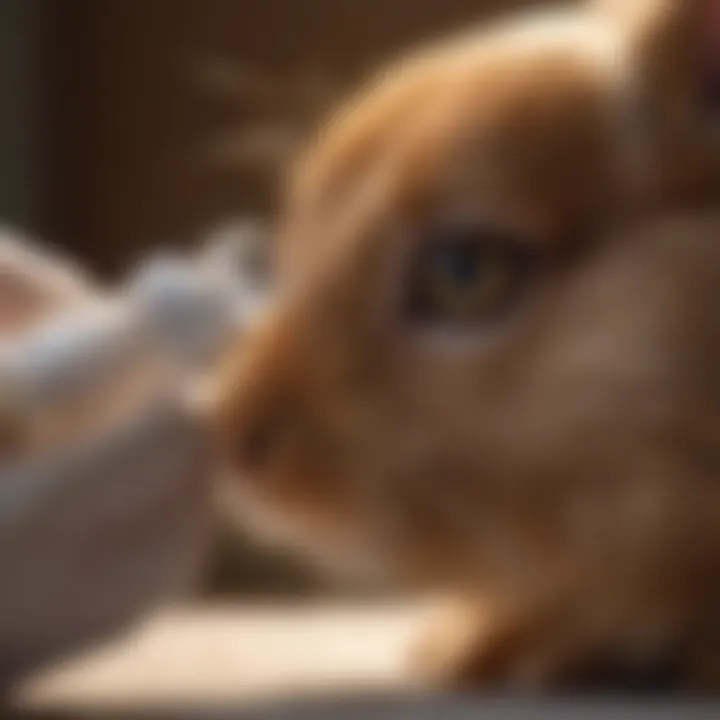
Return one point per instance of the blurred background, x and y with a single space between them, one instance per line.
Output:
128 123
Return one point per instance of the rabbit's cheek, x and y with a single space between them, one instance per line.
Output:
309 504
299 473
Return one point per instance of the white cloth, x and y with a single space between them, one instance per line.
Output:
101 529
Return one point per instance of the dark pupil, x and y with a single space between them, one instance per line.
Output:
463 275
458 260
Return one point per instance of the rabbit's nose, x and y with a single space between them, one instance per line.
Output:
257 441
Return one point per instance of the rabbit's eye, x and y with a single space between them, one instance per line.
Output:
462 276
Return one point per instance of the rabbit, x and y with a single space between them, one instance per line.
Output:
490 367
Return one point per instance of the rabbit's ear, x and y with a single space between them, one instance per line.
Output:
673 50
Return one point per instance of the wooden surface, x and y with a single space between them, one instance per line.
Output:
314 662
235 655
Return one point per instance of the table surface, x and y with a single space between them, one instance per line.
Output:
236 654
312 661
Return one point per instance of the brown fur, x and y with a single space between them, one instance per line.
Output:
560 473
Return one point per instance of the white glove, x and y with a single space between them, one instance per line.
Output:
100 527
101 532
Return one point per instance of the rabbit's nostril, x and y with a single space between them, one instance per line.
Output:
258 443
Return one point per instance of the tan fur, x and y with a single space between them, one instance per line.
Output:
560 474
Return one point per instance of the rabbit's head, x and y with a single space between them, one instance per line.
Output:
468 376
